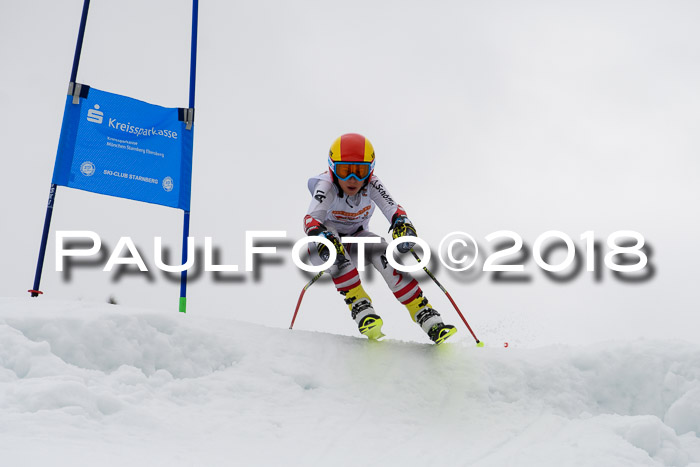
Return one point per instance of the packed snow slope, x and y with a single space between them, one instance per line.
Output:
98 384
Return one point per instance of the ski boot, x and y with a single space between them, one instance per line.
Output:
368 322
429 319
441 331
371 326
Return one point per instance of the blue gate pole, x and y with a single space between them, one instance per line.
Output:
52 192
186 221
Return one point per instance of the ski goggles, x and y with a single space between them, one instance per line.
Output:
347 170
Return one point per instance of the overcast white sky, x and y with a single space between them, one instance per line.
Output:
485 116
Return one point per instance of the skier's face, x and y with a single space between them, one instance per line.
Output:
350 186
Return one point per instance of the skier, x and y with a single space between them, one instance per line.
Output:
344 198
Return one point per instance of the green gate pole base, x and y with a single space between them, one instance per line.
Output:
183 304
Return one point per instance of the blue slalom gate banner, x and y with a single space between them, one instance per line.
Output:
123 147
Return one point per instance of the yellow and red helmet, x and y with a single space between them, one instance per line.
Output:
351 156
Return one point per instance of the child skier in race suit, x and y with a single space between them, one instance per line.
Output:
344 198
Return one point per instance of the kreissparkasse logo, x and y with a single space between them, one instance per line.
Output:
95 115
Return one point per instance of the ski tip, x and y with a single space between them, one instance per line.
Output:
372 327
378 338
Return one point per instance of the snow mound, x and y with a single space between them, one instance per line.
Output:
100 384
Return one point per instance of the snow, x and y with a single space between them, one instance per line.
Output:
486 116
97 384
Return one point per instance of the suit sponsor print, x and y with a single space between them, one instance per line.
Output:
351 216
382 192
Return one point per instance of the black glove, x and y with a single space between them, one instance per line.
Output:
323 249
402 227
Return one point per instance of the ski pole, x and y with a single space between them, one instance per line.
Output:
303 291
478 342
